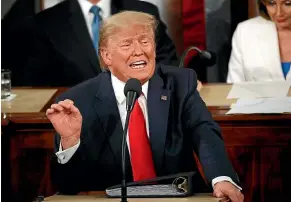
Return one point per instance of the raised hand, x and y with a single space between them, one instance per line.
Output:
67 121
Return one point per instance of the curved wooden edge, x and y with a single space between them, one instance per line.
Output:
218 113
32 118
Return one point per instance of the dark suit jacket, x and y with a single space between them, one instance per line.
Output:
178 125
61 51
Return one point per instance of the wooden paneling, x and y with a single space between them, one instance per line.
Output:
246 163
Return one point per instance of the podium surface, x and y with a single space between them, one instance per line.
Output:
98 198
28 100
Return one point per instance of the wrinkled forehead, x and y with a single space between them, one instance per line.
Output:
135 31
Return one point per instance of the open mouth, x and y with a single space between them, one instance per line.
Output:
138 64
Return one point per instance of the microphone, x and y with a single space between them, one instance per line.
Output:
132 91
207 56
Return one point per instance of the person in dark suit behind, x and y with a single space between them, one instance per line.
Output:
16 25
169 120
64 50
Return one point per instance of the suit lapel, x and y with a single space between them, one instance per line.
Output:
108 113
80 29
158 109
269 44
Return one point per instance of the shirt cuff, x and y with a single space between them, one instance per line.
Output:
66 155
224 178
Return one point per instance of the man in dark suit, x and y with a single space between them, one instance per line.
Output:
169 120
62 52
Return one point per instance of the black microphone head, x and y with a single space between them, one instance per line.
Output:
205 54
208 57
132 85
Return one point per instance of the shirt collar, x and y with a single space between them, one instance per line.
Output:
104 5
118 87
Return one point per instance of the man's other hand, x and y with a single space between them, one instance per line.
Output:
228 190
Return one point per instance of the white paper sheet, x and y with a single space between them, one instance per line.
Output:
261 106
259 89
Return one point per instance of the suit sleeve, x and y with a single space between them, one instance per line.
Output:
235 66
205 135
69 178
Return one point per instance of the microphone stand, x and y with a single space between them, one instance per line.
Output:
185 53
131 96
123 152
202 54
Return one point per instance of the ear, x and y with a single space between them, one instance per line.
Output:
106 56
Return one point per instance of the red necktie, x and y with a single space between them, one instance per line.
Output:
140 150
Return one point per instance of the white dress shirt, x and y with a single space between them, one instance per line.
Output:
118 86
105 12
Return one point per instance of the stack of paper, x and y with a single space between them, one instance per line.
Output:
261 105
260 97
259 89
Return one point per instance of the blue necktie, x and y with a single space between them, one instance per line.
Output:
95 25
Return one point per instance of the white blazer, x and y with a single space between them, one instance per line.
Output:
255 53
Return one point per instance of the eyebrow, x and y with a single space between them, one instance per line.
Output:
139 37
126 40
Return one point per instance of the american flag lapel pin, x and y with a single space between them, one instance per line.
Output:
164 97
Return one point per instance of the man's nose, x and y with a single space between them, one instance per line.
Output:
137 49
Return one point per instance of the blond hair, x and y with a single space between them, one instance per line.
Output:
111 25
263 10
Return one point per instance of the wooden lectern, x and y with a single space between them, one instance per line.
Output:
102 198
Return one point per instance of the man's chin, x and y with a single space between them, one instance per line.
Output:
142 79
142 76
